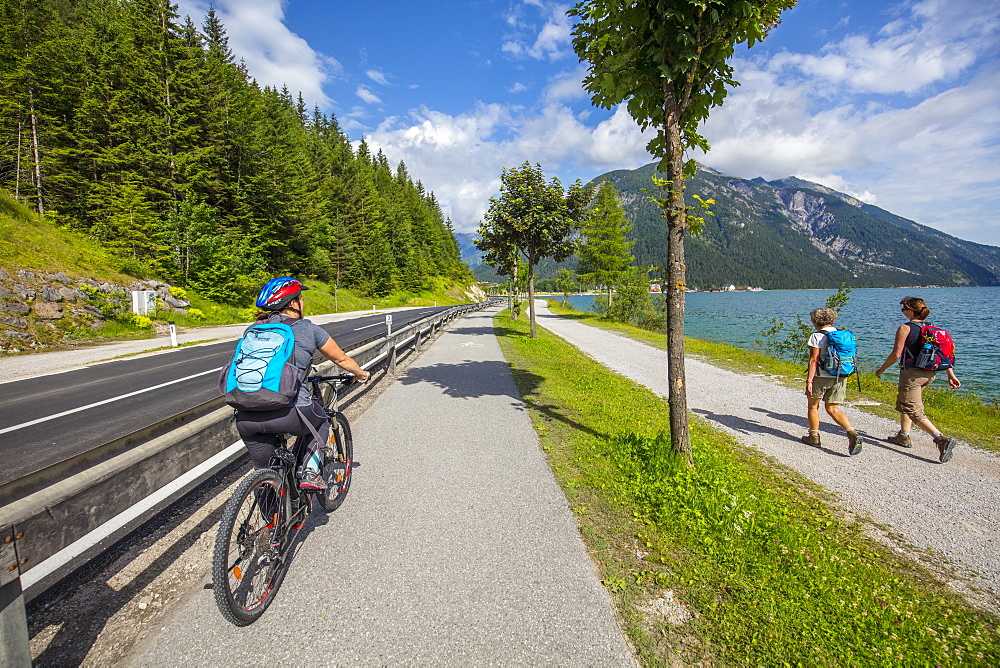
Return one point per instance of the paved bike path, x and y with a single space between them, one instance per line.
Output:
454 547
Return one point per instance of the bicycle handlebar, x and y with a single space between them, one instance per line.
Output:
343 378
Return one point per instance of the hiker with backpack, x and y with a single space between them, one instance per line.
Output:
264 380
831 361
922 350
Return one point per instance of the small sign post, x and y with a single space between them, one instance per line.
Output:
388 324
143 301
173 333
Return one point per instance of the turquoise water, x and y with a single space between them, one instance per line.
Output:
873 314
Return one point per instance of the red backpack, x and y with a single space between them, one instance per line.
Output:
937 351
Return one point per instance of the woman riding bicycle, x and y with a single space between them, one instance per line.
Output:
280 300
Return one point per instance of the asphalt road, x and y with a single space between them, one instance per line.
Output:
45 419
455 546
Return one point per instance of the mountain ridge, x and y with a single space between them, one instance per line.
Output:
792 233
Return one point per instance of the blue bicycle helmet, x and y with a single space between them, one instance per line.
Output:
279 293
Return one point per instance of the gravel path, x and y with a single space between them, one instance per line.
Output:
950 509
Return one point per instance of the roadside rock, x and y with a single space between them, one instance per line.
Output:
23 292
48 310
13 321
34 301
14 334
71 294
49 294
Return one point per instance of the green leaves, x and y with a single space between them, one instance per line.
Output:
151 137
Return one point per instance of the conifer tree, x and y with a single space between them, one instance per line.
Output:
605 252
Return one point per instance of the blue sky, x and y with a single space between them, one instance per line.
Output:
897 103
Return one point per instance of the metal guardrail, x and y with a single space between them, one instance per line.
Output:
48 511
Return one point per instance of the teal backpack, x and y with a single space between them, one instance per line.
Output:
841 353
262 375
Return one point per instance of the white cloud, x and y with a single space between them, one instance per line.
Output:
567 86
932 159
551 42
377 76
938 41
460 157
367 95
274 55
518 87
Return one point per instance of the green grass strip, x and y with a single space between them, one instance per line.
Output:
768 571
966 417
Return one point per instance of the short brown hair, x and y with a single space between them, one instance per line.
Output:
822 317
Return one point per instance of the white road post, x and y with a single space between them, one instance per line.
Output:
173 333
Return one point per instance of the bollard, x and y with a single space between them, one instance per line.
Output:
173 333
392 359
14 648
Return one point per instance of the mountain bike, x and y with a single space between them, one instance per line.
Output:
253 546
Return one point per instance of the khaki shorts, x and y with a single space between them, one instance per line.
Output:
830 390
910 398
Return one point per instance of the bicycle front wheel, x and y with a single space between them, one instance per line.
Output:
338 464
249 560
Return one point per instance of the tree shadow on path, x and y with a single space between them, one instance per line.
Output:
836 431
750 427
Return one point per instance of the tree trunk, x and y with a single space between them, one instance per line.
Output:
680 437
609 299
531 299
17 169
37 154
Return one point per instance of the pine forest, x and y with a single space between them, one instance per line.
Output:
125 122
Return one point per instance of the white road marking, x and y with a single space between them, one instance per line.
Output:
356 329
106 401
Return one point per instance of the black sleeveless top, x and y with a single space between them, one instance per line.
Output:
913 344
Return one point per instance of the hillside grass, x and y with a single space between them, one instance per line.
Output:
965 417
30 242
747 556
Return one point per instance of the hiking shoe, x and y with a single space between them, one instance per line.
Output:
853 443
810 439
946 447
902 440
312 481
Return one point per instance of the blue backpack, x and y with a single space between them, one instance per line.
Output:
262 375
841 353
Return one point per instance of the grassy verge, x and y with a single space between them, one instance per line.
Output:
738 561
955 414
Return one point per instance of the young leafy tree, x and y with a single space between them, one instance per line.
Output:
669 60
566 283
605 252
536 218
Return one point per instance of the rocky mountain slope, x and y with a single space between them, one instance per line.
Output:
792 233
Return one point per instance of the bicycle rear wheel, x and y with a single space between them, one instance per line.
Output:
249 560
338 464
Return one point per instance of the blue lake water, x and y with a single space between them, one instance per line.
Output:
969 314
